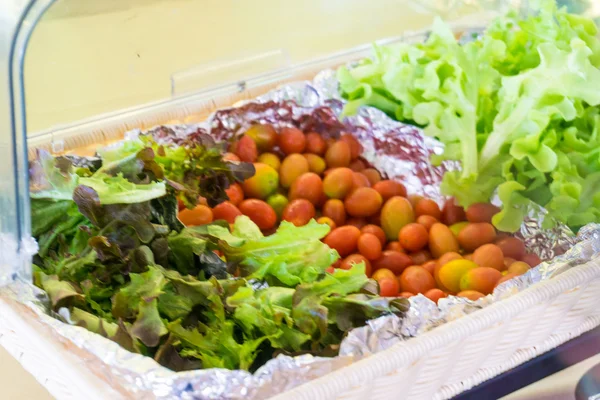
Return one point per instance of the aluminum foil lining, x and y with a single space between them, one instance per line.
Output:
399 151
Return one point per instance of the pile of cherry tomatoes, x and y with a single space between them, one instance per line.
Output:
408 243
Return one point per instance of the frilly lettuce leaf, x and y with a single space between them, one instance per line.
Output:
518 107
48 181
290 256
118 190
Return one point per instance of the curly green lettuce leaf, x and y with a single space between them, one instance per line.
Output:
118 190
148 326
142 288
516 106
290 256
191 251
48 181
217 346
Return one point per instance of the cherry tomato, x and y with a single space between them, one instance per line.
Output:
416 280
334 209
377 231
353 259
471 294
357 222
264 135
235 194
200 215
363 202
372 175
481 212
353 144
430 266
388 287
392 260
512 247
231 157
388 189
327 221
532 259
338 183
435 294
369 246
245 149
259 212
420 257
226 211
451 213
428 207
307 186
395 246
315 144
299 212
357 165
427 221
413 236
292 167
338 155
383 273
343 239
291 140
475 235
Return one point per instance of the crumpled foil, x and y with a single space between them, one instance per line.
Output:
400 152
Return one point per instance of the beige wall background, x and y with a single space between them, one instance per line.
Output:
88 57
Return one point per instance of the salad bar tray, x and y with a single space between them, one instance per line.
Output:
429 329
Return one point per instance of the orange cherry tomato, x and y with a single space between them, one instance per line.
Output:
383 273
291 140
338 155
259 212
377 231
388 287
343 239
299 212
235 194
392 260
427 221
200 215
353 259
452 214
334 209
245 149
416 280
428 207
369 246
226 211
307 186
327 221
363 202
353 144
435 294
372 175
395 246
481 212
264 135
413 236
231 157
388 189
471 294
315 144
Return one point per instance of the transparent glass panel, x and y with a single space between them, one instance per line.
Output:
88 57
